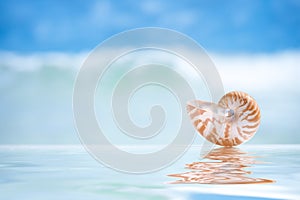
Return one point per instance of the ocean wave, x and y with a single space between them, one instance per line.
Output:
247 71
36 93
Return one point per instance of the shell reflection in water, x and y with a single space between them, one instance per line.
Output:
234 120
225 166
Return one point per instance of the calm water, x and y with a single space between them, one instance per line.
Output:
69 172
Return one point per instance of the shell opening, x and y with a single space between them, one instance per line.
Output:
229 113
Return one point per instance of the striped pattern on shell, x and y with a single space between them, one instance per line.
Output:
234 120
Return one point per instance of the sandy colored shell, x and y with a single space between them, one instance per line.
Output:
234 120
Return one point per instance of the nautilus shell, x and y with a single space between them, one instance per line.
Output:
234 120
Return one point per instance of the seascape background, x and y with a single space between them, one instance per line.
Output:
255 46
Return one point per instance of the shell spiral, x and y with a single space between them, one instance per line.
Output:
234 120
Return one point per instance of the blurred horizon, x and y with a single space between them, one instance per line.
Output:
255 45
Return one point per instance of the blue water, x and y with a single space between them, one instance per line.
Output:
36 96
69 172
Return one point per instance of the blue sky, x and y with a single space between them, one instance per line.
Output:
78 25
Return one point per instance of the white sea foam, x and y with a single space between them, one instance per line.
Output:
35 61
278 71
249 72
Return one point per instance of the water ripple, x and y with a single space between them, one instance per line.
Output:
224 166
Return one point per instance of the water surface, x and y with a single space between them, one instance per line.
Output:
69 172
